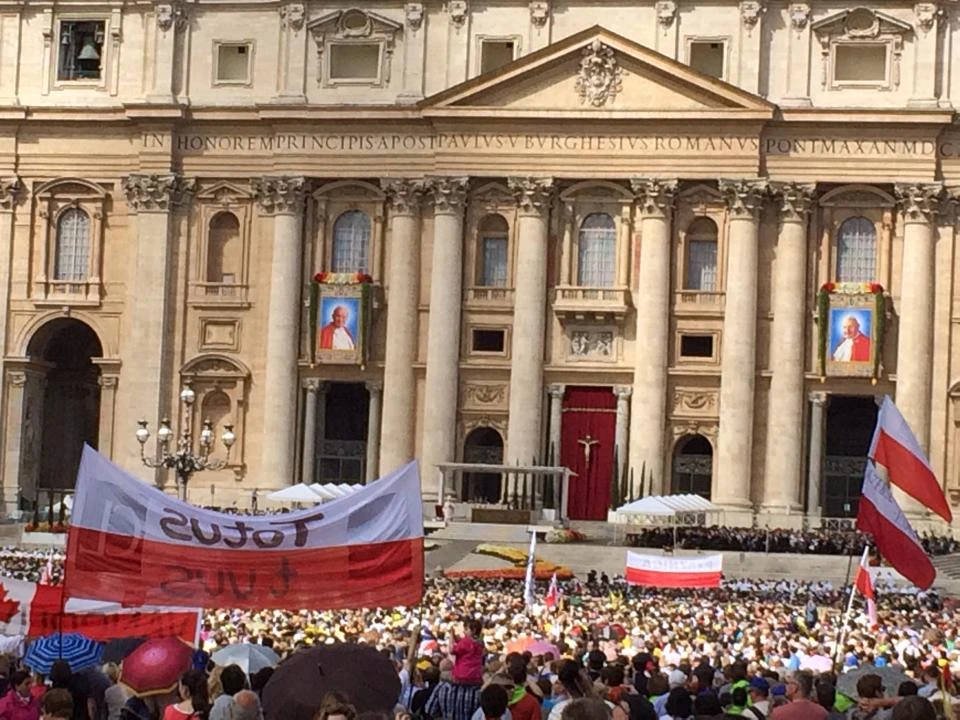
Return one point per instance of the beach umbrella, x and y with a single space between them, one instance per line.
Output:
251 658
116 650
155 667
78 650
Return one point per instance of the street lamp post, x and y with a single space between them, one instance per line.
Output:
183 460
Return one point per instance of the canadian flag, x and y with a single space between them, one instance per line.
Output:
895 450
881 516
553 593
864 584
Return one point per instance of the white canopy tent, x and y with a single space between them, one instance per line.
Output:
332 491
296 493
665 510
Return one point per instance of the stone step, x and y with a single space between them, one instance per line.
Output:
488 532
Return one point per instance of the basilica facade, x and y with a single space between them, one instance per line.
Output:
672 246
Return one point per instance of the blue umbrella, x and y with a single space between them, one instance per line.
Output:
80 651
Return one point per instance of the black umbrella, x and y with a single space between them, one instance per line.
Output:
300 682
117 650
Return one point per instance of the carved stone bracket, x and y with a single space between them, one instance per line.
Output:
819 398
458 9
599 79
11 191
744 197
171 15
532 194
693 428
795 201
622 391
655 196
666 13
928 15
449 194
403 195
279 195
750 12
414 14
799 16
556 392
696 401
919 202
539 12
293 15
157 193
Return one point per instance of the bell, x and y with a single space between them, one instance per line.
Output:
89 52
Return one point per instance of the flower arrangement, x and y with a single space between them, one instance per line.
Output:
823 309
332 278
542 569
56 527
562 536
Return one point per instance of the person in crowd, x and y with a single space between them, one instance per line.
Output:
523 704
914 708
193 703
870 691
336 711
826 694
115 696
571 684
759 697
802 706
706 706
18 703
57 705
586 709
493 703
246 706
62 677
679 705
232 680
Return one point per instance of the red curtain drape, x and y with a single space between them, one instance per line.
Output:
589 417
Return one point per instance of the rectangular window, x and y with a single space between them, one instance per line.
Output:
708 57
701 265
495 54
355 62
233 63
494 270
488 341
81 50
860 63
696 346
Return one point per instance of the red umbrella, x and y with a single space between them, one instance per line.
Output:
534 646
155 667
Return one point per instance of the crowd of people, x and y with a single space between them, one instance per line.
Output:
773 540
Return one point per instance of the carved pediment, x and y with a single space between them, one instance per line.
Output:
224 193
858 23
353 24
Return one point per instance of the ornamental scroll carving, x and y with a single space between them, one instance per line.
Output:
928 15
171 15
157 193
458 10
11 190
666 12
692 428
279 194
655 197
532 194
448 194
744 197
293 16
750 12
799 16
539 12
485 395
795 201
919 202
599 79
414 15
696 401
403 194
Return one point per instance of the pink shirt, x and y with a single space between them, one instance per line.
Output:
468 662
14 707
799 710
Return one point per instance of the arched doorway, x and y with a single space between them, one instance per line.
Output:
482 445
850 424
692 466
71 401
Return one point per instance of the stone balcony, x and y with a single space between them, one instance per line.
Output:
591 304
698 302
488 297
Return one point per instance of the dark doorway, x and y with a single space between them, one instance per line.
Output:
71 399
692 466
343 441
482 445
850 423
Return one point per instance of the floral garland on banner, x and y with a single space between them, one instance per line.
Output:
364 280
823 309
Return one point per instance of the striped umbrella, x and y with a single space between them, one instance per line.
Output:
78 650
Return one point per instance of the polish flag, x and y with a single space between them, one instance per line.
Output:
132 544
895 449
896 540
864 584
698 571
553 593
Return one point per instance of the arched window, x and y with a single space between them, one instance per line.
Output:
857 250
223 249
216 409
351 243
72 256
597 251
701 266
492 252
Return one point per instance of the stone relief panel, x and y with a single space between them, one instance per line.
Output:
697 402
220 334
484 396
591 345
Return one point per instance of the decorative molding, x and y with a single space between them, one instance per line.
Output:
796 200
17 378
859 24
171 15
799 16
11 192
157 193
819 398
556 392
744 197
600 77
750 12
928 16
458 9
590 345
449 194
919 202
680 429
413 11
484 394
374 387
403 195
354 24
472 422
108 381
293 16
539 12
532 194
666 13
655 196
696 401
623 392
226 194
279 195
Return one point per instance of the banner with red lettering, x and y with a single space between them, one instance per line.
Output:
34 610
130 543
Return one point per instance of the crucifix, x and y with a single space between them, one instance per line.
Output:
588 442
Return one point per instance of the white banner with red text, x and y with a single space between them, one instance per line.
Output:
695 571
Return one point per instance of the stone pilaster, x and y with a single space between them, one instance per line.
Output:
533 196
738 354
283 198
443 335
648 412
403 277
622 427
784 454
375 388
308 462
818 425
11 190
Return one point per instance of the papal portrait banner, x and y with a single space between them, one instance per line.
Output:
339 318
130 543
851 319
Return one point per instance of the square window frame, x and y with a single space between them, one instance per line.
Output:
687 360
251 50
484 354
885 84
105 58
724 40
478 48
379 81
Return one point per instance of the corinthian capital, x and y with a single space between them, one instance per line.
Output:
919 202
449 194
795 201
655 196
11 190
157 193
403 195
744 197
279 195
532 194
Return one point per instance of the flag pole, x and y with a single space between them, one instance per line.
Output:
846 615
528 597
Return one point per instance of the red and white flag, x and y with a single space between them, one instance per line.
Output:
130 543
553 593
697 571
897 452
864 584
896 541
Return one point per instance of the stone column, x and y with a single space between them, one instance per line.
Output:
622 428
403 297
738 354
13 437
818 424
529 319
651 348
309 460
282 197
784 456
375 388
10 191
148 366
556 420
443 334
108 405
919 205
